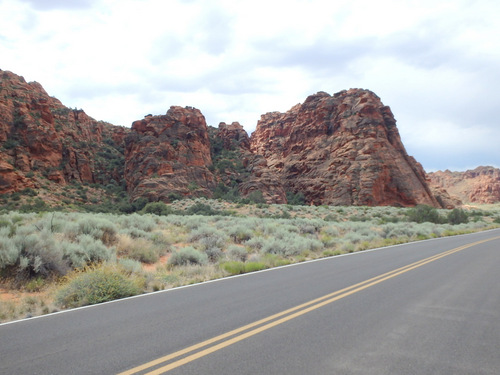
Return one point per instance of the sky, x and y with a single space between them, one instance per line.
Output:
435 63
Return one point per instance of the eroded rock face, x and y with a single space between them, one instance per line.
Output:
256 176
343 149
39 135
169 154
480 185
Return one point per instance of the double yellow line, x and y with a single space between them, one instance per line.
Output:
216 343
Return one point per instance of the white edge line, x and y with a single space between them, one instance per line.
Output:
240 275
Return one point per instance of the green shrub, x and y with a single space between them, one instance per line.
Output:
255 197
237 268
295 199
157 208
422 213
35 285
96 285
255 266
458 216
233 267
187 255
204 209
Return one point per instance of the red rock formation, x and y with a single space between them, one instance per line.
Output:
257 176
169 154
341 150
39 135
233 136
480 185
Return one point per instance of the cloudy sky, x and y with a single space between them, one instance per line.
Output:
435 63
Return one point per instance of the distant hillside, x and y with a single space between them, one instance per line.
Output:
480 185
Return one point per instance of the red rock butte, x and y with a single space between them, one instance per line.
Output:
343 149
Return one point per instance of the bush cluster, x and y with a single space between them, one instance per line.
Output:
97 285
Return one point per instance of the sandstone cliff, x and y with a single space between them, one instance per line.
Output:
343 149
169 155
240 168
177 155
480 185
43 140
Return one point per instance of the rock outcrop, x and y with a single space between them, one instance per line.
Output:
480 185
169 156
41 138
343 149
249 170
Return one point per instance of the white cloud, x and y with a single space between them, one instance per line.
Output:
435 63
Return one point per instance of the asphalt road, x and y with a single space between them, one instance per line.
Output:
399 310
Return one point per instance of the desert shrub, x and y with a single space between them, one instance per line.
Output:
330 230
213 253
208 237
347 247
275 246
422 213
255 197
204 209
296 199
87 250
96 285
9 253
233 267
130 266
240 233
291 245
135 232
273 260
35 284
255 266
308 226
395 230
139 249
237 267
99 228
157 208
234 252
38 253
187 255
457 216
255 243
144 223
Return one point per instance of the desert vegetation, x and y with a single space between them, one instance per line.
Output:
55 260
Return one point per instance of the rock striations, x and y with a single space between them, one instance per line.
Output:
41 137
480 185
168 156
343 149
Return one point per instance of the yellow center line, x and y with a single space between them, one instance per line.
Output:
304 309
